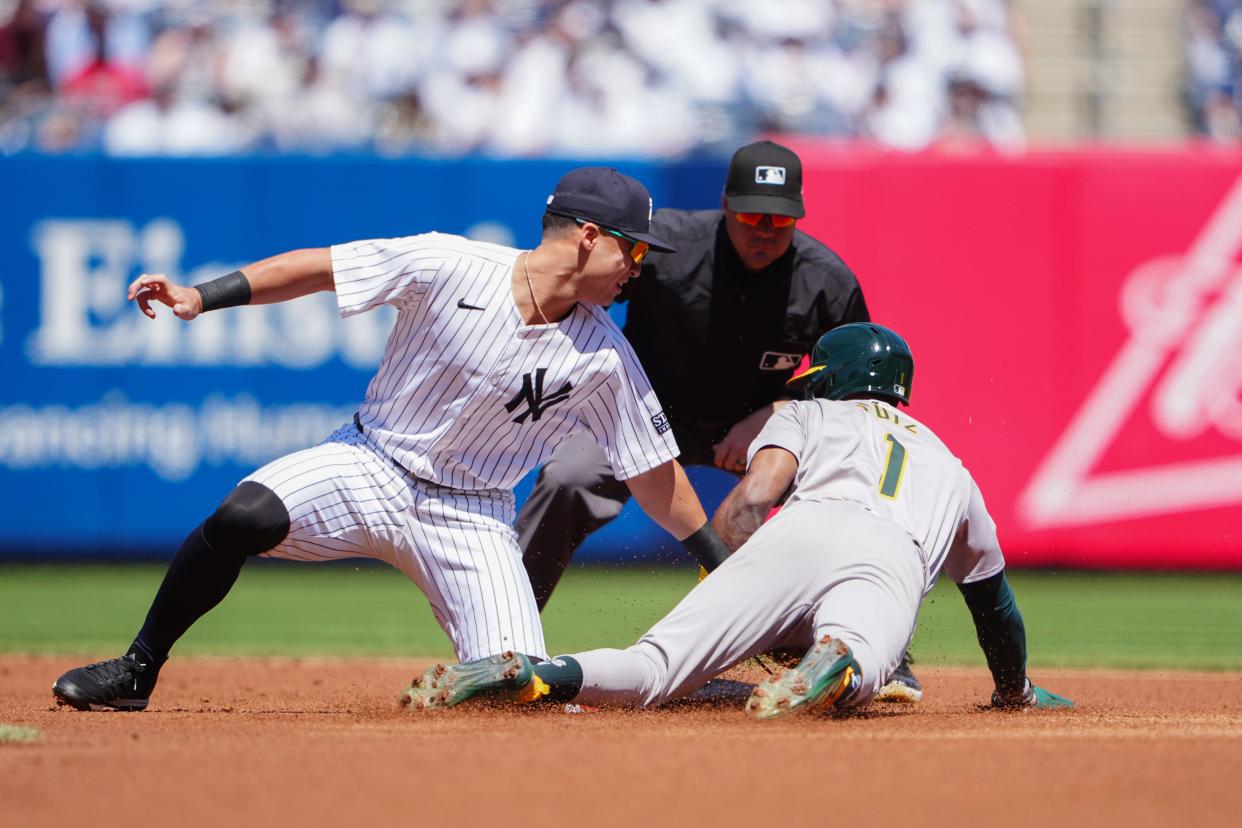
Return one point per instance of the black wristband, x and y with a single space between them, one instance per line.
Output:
226 292
706 547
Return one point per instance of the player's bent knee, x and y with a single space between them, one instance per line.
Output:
251 520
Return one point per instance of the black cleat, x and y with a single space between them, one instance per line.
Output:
902 686
122 683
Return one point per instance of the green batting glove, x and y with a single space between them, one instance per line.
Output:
1031 696
1044 700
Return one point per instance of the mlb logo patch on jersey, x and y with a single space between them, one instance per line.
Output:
770 175
661 423
773 361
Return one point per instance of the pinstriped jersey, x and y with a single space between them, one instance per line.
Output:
466 394
869 452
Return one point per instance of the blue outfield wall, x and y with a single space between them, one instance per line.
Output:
118 434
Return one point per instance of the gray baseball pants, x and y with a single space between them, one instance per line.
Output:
816 568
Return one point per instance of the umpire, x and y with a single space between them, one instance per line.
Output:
719 326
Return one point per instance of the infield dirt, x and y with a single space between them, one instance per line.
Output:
323 742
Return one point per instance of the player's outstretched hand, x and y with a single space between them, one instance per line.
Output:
1046 699
1032 697
186 302
731 451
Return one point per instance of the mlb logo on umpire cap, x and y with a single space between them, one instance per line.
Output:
769 175
765 178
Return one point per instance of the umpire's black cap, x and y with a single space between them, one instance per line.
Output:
765 178
610 199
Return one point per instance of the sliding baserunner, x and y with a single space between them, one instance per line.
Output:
875 506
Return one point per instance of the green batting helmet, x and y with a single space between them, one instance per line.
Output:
859 358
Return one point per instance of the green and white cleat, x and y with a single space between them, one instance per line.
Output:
508 677
826 675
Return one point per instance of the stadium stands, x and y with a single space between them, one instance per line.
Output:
508 78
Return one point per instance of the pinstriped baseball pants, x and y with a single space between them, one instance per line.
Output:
347 500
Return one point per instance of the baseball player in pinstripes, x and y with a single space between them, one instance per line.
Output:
875 507
496 355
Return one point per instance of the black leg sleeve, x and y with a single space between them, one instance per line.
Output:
196 581
251 520
1002 635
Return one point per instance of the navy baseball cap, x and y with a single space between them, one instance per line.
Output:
765 178
610 199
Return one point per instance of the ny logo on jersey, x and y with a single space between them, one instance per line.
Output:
536 403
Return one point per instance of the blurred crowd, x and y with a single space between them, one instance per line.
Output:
1214 67
501 77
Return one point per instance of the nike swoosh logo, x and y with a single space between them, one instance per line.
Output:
464 305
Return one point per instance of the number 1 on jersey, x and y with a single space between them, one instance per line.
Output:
894 468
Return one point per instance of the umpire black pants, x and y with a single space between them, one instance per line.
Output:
574 494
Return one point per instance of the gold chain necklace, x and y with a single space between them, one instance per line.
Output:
531 287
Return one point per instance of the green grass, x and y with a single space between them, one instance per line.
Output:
1082 619
18 733
1073 619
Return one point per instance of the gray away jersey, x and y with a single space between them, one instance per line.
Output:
868 452
468 396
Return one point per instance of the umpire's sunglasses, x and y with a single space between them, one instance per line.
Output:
753 219
640 248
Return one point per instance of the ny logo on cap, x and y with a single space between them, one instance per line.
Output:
770 175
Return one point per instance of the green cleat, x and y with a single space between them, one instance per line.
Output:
508 677
826 675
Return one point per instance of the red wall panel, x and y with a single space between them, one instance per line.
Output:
1076 320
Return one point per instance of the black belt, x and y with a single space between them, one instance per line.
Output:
400 468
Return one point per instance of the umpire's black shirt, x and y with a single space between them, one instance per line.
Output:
718 341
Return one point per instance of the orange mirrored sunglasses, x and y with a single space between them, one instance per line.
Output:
639 251
753 219
640 248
